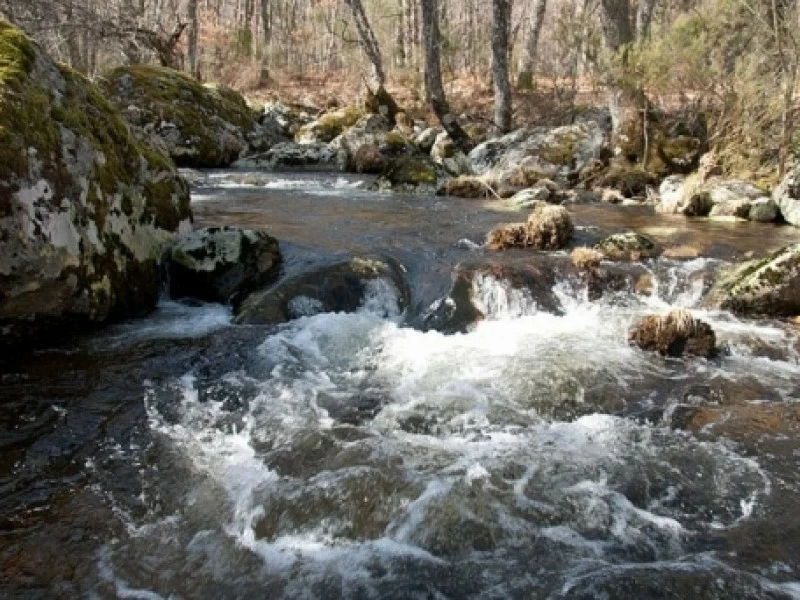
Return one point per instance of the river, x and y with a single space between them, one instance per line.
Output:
364 455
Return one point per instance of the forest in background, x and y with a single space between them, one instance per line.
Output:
732 63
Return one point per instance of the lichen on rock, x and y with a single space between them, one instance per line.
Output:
85 208
197 125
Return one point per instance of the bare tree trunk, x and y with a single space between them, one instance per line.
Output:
644 16
627 102
191 50
502 85
433 77
369 43
527 69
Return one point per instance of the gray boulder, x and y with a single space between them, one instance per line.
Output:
767 287
292 155
787 196
552 151
86 210
734 198
220 264
198 126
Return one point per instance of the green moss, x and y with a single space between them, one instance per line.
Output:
396 140
16 55
562 152
331 124
411 170
198 112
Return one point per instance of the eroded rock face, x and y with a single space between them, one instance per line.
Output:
675 334
198 126
768 287
548 227
85 209
787 196
220 264
375 282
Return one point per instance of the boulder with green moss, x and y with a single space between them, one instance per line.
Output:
373 132
85 209
627 246
767 287
197 125
409 172
328 126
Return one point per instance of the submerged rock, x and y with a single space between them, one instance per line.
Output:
675 334
197 125
548 227
219 264
85 209
630 246
767 287
344 286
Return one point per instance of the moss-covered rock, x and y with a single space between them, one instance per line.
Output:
629 179
410 172
85 209
628 246
767 287
330 125
199 126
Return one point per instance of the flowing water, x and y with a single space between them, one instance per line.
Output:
361 456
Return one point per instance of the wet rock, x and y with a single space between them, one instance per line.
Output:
344 286
86 210
787 196
410 172
548 227
688 196
220 264
675 334
554 151
768 287
368 159
292 155
629 180
197 125
330 125
480 291
734 198
467 187
288 119
763 210
630 246
531 197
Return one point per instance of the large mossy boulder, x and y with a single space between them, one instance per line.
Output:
767 287
375 283
221 264
85 209
328 126
198 126
627 246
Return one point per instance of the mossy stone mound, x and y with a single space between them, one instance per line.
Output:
199 126
768 287
85 209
